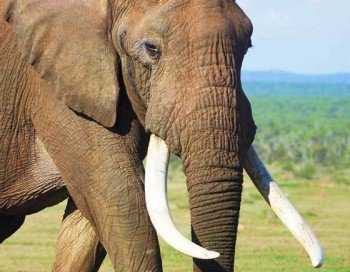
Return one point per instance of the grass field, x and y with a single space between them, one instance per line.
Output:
263 243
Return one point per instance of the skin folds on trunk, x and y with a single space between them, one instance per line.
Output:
209 133
214 179
215 227
210 141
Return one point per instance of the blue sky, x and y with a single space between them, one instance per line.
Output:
303 36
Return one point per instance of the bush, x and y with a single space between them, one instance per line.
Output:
303 127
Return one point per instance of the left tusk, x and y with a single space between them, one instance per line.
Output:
282 207
157 202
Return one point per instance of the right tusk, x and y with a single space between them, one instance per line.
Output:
282 207
157 202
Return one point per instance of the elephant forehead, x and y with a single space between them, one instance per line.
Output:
197 18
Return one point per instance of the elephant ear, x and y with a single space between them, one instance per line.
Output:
68 43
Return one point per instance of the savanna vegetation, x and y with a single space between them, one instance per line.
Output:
304 128
304 135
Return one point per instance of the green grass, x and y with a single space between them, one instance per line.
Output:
263 243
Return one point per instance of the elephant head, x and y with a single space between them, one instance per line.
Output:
179 63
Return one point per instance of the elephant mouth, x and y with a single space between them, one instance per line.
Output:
158 209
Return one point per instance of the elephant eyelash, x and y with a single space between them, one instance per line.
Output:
147 52
152 50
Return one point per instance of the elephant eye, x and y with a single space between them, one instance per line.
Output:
152 50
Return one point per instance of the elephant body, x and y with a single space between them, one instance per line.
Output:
84 83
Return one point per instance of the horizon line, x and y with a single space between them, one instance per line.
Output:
290 72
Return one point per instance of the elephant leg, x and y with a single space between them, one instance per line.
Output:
104 175
78 247
9 225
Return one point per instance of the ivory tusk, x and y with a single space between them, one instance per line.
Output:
282 207
157 202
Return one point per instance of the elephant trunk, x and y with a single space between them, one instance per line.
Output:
214 180
210 140
209 136
215 206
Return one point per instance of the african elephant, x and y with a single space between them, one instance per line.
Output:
107 75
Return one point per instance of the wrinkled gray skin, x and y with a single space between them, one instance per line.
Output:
116 68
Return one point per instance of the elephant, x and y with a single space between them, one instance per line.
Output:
88 86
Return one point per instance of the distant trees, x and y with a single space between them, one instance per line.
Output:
303 131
